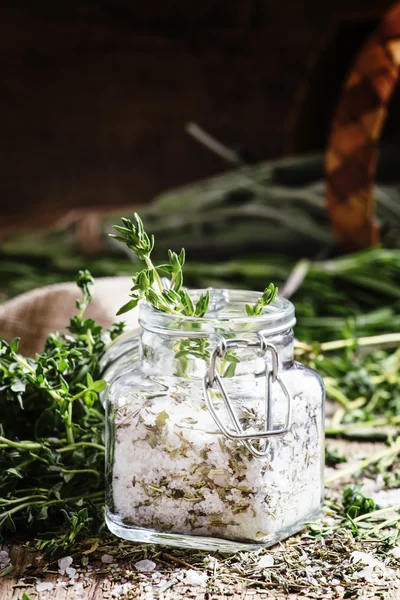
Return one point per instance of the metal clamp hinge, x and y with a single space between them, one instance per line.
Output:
212 380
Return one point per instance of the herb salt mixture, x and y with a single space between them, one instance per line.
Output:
173 476
173 471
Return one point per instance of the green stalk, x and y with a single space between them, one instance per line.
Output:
385 340
73 447
157 278
20 445
365 463
342 430
94 496
337 395
68 426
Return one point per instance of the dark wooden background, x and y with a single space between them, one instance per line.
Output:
95 95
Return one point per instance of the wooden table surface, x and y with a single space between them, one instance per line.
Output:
101 580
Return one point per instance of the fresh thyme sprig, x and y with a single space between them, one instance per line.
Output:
268 296
147 283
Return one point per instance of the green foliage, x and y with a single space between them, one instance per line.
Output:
268 296
355 503
147 283
52 430
333 458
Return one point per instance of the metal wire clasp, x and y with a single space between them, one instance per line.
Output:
212 379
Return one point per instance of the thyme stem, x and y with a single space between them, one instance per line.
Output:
363 464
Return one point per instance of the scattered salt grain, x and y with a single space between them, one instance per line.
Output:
211 563
265 561
145 565
107 559
64 563
395 552
78 589
117 591
195 578
4 558
71 572
368 572
366 559
44 586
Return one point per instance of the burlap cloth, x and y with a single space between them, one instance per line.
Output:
35 314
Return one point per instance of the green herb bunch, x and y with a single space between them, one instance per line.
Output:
147 283
52 430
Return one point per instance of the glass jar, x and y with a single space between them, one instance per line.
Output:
214 433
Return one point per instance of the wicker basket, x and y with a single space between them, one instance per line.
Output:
351 157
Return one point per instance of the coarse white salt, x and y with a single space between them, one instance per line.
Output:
265 561
145 565
64 563
71 572
44 586
4 558
78 590
368 574
395 552
365 559
193 577
107 559
182 476
117 591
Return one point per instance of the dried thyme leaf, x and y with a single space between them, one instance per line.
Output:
161 419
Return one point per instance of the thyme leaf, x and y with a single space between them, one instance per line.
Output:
147 284
268 296
52 432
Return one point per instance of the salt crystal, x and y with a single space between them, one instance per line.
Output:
117 591
64 563
107 559
71 572
145 565
195 578
211 562
366 559
303 557
335 581
265 561
395 552
4 558
367 573
44 586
